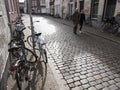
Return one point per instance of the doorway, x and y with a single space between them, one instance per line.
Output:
109 8
81 3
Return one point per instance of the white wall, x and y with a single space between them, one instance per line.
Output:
47 7
4 38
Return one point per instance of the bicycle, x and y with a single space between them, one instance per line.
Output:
23 66
41 52
41 45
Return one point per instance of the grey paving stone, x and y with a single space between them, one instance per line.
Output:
111 82
99 86
90 79
84 72
118 84
76 88
84 81
98 81
113 87
117 79
106 88
111 77
70 80
86 86
97 76
83 76
71 85
104 75
105 79
77 83
105 84
93 83
76 78
77 74
92 88
89 74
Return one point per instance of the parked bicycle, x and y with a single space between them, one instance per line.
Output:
110 25
22 66
40 44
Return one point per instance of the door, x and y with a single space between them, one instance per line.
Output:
109 8
81 3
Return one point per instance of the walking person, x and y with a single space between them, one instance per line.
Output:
81 20
75 19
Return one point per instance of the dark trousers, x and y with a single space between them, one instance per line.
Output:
81 25
75 27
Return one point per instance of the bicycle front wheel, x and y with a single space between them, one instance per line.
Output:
30 41
44 56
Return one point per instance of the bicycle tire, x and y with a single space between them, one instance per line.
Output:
19 85
43 53
44 56
31 57
29 41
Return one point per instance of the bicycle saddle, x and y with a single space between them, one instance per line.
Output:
38 34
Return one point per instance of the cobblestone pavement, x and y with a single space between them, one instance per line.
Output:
84 61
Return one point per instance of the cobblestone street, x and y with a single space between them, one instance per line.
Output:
83 61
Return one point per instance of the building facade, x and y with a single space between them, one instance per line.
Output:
13 12
52 8
47 7
37 6
98 10
4 40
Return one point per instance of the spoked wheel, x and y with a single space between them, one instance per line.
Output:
18 80
41 71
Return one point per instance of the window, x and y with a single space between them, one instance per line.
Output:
75 5
95 8
34 3
42 2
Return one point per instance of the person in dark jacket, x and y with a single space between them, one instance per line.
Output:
82 19
75 19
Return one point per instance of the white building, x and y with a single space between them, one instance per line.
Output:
61 8
57 7
47 7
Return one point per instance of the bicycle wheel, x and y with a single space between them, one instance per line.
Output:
29 54
30 41
44 56
18 80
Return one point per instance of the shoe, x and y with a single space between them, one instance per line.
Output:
80 31
74 32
